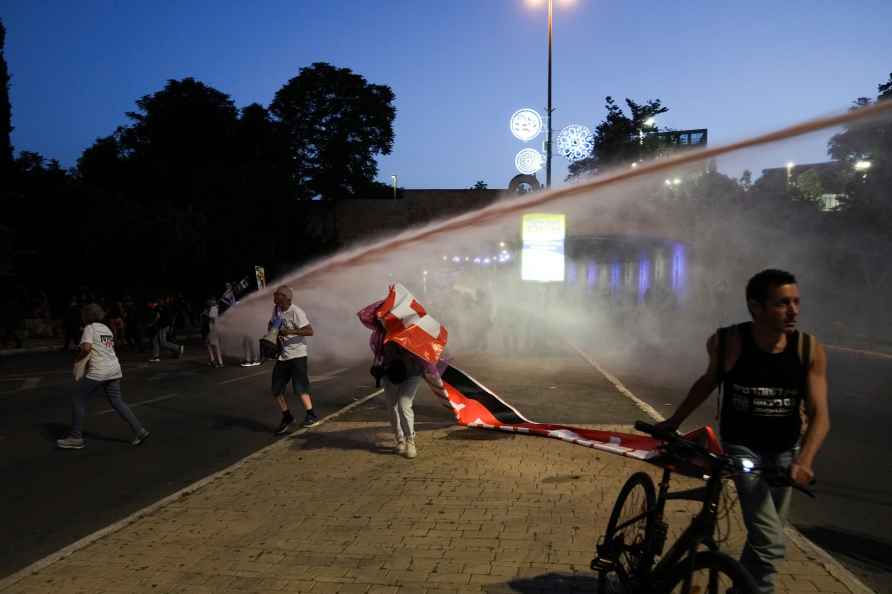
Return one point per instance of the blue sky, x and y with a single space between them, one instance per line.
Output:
459 68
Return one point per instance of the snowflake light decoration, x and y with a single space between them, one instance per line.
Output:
525 124
575 142
528 161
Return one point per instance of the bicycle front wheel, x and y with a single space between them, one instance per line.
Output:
713 573
630 531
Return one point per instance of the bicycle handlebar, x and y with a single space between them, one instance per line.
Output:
776 475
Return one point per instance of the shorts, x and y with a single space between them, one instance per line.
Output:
293 370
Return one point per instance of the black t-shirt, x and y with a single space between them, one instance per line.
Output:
762 394
163 317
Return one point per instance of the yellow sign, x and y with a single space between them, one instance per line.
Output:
542 257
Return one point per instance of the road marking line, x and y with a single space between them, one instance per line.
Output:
86 541
645 407
140 403
313 378
243 377
29 383
832 347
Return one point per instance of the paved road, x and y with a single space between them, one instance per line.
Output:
852 515
202 420
205 419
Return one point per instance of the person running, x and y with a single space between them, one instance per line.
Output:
209 333
765 378
291 365
162 325
103 373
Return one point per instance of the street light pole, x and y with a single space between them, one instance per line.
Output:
548 137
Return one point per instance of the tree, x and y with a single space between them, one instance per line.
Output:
864 150
5 108
621 138
180 142
336 123
103 165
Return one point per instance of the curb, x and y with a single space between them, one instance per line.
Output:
37 566
825 559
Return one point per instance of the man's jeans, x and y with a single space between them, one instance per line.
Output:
764 510
160 342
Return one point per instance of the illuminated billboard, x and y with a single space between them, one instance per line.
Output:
542 258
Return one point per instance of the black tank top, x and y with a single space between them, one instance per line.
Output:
760 407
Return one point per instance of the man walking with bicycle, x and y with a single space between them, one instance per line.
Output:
766 370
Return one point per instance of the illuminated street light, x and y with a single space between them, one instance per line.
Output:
676 181
550 4
862 165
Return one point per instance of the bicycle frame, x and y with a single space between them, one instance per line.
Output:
700 530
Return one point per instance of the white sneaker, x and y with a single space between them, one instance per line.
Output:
411 452
400 448
70 443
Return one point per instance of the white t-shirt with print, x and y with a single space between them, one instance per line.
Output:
293 318
104 364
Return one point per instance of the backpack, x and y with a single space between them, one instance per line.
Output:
805 349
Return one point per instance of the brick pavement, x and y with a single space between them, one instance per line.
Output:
332 510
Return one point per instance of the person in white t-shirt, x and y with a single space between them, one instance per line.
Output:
291 365
103 372
209 333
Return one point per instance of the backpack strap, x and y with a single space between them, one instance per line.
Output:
806 350
721 347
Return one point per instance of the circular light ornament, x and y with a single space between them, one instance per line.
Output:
575 142
526 124
528 161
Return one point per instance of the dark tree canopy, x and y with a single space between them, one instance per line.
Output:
5 107
618 139
335 123
863 142
180 141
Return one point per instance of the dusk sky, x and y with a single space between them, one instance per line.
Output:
459 68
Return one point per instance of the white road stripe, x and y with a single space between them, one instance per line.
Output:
10 580
29 384
313 378
140 403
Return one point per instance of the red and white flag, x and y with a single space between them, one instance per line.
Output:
475 405
408 324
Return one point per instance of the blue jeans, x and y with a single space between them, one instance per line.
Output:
160 342
764 510
112 389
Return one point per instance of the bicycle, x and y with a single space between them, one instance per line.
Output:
636 532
